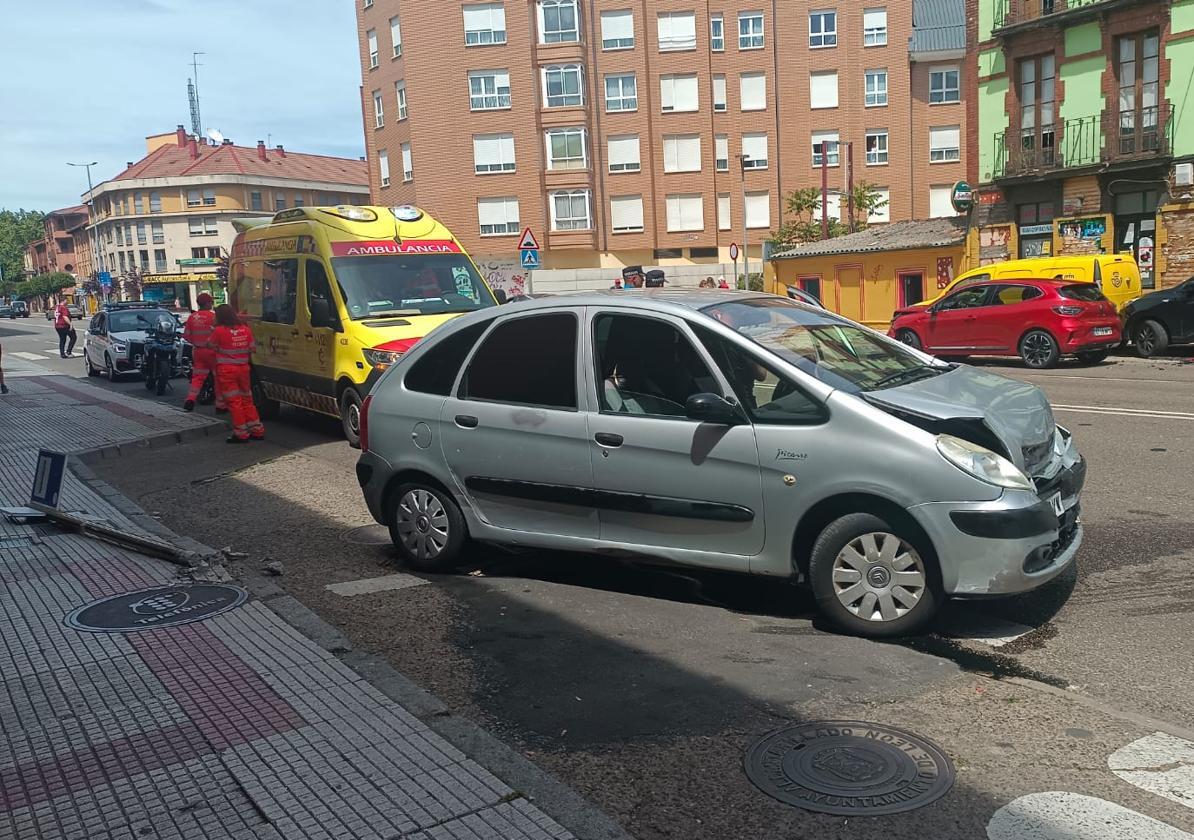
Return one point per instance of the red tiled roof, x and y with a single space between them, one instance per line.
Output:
77 210
172 160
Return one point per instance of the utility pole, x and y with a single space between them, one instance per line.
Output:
743 159
824 189
850 184
93 232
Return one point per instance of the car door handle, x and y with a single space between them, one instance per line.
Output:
466 421
310 335
607 439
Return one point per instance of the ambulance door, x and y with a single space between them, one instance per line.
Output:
321 332
279 353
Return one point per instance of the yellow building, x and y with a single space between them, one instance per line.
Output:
167 218
866 276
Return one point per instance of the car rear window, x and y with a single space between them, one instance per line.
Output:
1088 292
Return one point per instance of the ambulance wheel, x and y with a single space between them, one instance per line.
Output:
267 409
350 416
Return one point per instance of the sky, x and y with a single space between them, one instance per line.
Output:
88 80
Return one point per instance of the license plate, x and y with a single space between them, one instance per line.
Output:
1055 503
1101 331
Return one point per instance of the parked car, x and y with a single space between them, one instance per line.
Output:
7 311
115 339
21 308
75 310
1159 319
1116 275
1037 320
728 430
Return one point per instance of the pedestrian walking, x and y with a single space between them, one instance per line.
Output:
722 284
3 387
617 286
197 333
66 332
232 342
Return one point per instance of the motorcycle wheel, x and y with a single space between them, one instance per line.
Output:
150 374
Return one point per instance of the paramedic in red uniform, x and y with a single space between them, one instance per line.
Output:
197 333
232 342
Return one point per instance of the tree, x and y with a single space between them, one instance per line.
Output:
804 211
43 285
132 283
17 229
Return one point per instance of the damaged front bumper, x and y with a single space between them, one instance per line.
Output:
1014 544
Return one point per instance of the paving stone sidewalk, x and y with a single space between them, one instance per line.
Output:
237 726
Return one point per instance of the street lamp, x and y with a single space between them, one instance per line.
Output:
93 233
744 159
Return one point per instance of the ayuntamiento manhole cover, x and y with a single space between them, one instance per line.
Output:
161 606
849 768
367 535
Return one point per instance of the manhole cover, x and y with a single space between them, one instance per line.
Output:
367 535
849 768
161 606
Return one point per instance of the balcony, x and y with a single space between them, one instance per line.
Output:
1017 14
1086 142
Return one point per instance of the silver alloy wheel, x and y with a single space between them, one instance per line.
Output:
879 577
422 524
1038 347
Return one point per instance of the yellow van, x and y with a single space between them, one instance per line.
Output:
1117 275
334 295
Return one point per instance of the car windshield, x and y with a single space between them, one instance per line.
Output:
140 319
836 351
1082 291
410 284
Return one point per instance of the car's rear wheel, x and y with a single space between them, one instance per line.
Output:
910 338
872 578
350 416
426 526
1092 357
1039 350
1150 338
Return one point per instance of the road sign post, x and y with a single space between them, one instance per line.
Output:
528 254
47 478
734 257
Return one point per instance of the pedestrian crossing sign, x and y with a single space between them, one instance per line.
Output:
530 259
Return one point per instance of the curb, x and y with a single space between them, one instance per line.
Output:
548 793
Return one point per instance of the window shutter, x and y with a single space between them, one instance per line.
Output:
626 212
754 146
624 150
723 211
753 91
758 210
617 26
823 89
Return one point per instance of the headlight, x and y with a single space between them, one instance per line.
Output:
982 463
381 359
119 346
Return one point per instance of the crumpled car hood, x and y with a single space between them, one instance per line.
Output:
1018 414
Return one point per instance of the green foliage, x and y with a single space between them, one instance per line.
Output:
17 229
753 284
39 286
804 223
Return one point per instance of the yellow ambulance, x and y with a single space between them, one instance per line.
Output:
334 295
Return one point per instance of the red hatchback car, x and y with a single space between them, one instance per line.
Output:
1037 320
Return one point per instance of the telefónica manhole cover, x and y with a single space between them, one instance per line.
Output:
849 768
161 606
367 535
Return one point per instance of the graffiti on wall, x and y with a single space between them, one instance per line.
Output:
504 273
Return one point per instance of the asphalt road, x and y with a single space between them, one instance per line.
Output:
643 687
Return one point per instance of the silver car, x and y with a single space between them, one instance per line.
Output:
728 430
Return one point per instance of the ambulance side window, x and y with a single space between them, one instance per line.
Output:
245 284
279 291
321 306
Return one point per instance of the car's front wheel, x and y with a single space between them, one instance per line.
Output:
1150 338
426 526
91 371
1039 349
910 338
871 578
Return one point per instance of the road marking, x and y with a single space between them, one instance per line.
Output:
1104 378
987 629
32 357
1058 815
1125 412
1160 764
367 586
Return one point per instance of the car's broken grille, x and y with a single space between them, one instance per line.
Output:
1036 456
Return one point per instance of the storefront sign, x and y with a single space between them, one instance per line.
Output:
988 197
198 261
962 197
150 279
1144 254
1036 230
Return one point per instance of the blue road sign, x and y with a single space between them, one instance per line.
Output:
530 258
105 278
47 479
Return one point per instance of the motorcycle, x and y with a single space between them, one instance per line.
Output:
164 356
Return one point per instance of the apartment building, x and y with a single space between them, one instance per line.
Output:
657 132
168 217
1084 131
56 250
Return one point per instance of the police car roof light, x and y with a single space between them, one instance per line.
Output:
407 213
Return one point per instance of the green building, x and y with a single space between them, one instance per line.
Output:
1085 115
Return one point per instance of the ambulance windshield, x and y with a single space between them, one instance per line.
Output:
409 284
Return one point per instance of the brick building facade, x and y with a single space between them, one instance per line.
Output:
615 130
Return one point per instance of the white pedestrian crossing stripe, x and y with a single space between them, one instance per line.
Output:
1160 764
32 357
1060 815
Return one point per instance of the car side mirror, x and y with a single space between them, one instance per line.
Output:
500 296
321 314
712 408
